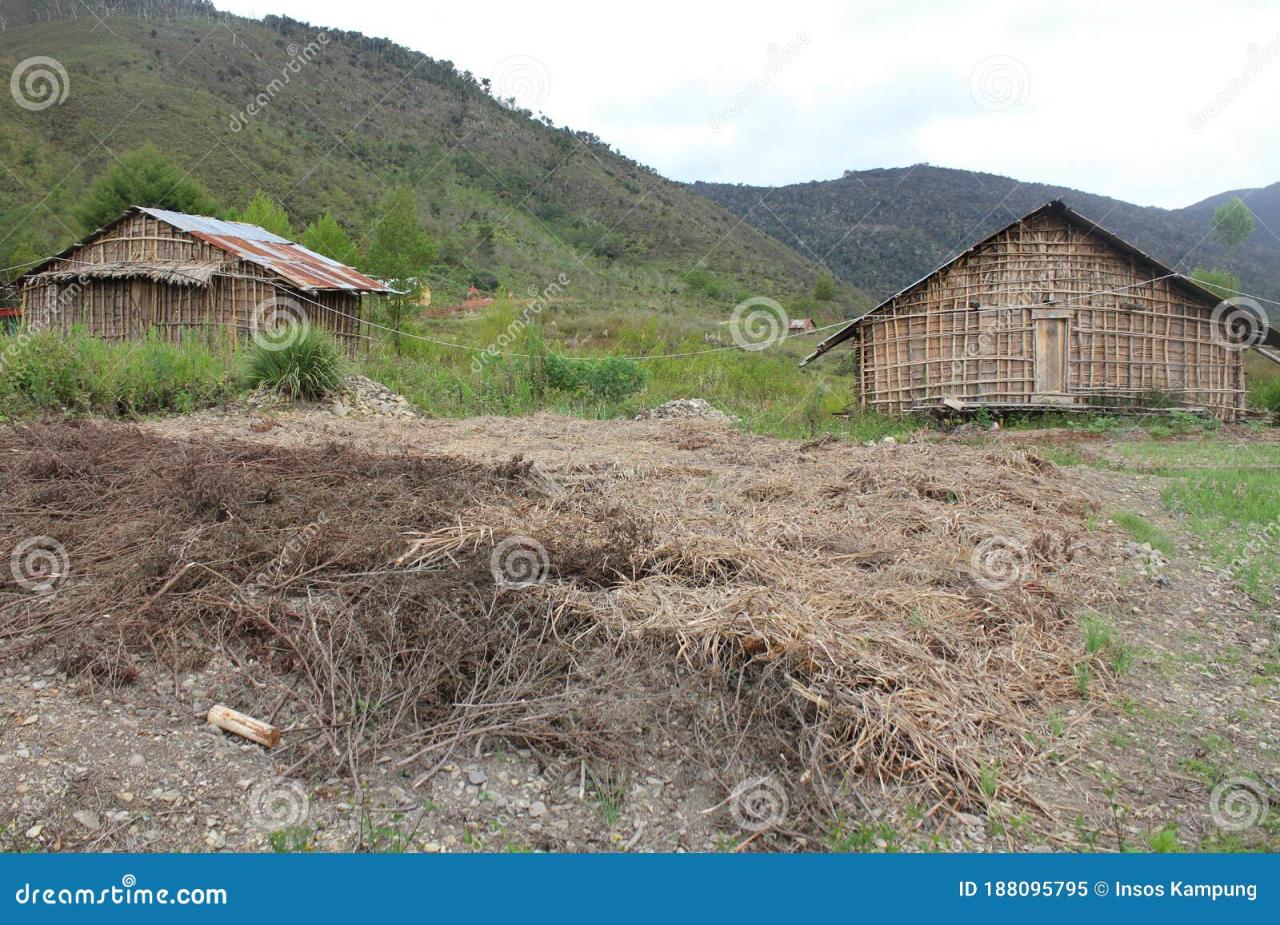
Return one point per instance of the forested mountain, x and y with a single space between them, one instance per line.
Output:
884 229
328 121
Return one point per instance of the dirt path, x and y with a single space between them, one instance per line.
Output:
139 771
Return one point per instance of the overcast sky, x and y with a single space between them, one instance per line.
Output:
1156 103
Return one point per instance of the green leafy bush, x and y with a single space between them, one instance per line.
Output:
309 366
607 379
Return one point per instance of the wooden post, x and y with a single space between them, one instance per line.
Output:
244 726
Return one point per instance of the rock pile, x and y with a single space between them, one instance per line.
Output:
360 396
1151 560
684 408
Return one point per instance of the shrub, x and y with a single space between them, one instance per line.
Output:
308 367
606 379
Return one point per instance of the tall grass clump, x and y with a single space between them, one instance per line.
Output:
1265 396
78 373
308 366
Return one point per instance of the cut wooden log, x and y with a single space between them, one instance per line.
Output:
237 723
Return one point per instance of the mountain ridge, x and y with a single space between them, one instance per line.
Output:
884 228
244 104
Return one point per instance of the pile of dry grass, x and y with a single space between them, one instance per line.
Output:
837 614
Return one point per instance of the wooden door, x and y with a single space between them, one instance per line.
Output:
1053 337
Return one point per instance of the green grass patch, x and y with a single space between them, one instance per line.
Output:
77 373
307 364
1143 531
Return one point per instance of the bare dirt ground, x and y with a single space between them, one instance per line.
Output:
1035 758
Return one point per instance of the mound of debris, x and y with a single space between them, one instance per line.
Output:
360 396
684 408
356 397
913 628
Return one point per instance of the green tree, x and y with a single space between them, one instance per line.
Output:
400 253
325 236
268 214
1221 282
824 290
142 177
1232 225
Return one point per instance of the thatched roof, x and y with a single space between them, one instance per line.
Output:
171 272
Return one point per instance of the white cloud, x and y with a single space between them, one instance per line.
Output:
1105 94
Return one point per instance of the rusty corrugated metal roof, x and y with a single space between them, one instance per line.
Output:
302 267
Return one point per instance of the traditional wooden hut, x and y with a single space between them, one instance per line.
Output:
170 273
1054 310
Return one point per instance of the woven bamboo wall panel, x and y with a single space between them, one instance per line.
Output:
969 331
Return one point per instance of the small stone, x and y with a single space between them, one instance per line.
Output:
537 808
87 819
35 830
477 777
137 761
124 796
171 796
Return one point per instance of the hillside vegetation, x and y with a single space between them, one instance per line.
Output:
884 229
512 200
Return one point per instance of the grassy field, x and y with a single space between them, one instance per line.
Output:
1229 493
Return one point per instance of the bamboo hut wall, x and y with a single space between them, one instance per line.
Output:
968 331
118 309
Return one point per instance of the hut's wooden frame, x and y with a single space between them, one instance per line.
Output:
1134 332
142 275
